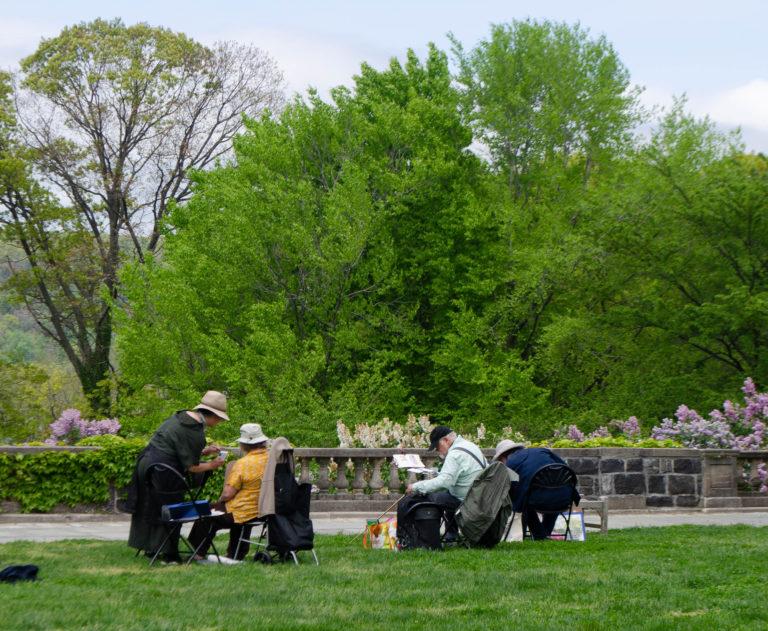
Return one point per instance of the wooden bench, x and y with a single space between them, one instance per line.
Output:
597 506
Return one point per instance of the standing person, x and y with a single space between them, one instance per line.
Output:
180 443
239 499
526 462
463 463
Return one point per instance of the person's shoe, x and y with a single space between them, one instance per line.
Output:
223 560
211 560
171 560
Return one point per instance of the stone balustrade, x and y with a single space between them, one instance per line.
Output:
624 478
347 480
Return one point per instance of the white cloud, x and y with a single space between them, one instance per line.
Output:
308 58
746 105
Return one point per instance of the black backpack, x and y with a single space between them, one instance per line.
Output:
14 573
418 524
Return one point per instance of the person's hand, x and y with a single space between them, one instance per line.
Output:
211 449
216 463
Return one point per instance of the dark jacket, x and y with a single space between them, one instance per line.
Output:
526 462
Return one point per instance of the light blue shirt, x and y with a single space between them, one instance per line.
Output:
458 472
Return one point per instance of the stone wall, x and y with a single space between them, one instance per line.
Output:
624 478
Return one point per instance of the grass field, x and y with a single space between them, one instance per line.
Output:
683 577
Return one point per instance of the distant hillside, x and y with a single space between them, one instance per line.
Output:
21 340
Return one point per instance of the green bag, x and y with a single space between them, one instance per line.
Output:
485 510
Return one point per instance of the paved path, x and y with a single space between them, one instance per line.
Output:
115 527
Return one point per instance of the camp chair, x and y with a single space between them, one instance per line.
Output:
542 497
285 526
419 523
173 514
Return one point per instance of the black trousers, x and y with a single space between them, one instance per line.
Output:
540 527
205 530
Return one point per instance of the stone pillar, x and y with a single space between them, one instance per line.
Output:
323 475
394 478
719 481
376 482
305 476
341 484
358 482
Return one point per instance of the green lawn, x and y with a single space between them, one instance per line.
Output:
686 577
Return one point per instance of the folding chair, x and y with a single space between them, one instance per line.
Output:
419 524
546 496
168 493
283 511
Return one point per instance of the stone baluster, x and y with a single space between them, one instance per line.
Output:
323 475
376 482
306 475
394 478
341 476
430 463
358 482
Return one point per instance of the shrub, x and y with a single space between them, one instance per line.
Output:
736 427
70 427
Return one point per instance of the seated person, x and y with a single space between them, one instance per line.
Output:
526 462
463 463
239 498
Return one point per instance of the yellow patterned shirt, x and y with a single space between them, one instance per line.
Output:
245 477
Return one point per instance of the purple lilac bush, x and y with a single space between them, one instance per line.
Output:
736 427
629 429
71 427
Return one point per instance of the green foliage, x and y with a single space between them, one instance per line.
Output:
609 441
548 102
31 396
356 260
117 116
670 310
346 260
41 481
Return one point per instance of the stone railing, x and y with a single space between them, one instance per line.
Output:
623 478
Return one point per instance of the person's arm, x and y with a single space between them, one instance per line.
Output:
227 493
445 480
206 466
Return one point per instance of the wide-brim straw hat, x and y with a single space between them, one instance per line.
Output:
215 402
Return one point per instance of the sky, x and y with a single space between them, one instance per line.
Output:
715 52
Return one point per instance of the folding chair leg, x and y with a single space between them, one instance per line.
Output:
161 547
510 521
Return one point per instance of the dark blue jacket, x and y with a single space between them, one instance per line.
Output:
526 462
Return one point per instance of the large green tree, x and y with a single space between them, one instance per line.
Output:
548 103
346 259
553 111
675 308
111 118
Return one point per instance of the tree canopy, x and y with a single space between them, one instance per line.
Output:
109 121
497 246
